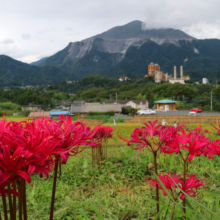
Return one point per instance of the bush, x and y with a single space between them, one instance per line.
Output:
7 112
109 113
25 113
129 110
10 106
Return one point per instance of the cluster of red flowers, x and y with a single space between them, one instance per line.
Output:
34 147
169 140
175 182
102 133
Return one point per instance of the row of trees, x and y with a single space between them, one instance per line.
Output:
100 88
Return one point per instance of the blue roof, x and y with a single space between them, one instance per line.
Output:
164 101
57 113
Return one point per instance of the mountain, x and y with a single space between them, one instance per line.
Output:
114 43
37 63
122 50
130 48
16 73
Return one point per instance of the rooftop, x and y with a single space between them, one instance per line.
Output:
164 101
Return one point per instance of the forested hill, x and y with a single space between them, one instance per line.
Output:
123 50
130 49
16 73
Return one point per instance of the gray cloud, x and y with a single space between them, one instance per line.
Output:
25 36
64 21
7 41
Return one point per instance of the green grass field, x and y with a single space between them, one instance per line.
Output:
118 190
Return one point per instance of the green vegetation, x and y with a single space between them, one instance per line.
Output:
118 190
97 88
134 64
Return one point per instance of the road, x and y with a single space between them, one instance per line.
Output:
186 112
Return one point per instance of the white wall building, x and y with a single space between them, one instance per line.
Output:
205 81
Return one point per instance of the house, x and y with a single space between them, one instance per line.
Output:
85 108
40 114
166 105
64 105
31 107
137 104
79 102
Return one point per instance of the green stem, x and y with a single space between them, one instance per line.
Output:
14 201
9 199
20 198
24 200
172 212
157 189
184 180
54 191
5 207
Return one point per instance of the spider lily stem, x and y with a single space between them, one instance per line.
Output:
54 191
20 198
5 207
157 189
14 201
184 180
172 212
24 200
10 200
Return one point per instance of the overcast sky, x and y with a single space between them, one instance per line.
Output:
32 29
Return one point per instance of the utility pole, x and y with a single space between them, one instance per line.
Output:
110 96
211 100
183 100
116 96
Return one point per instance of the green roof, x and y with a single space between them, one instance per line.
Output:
164 101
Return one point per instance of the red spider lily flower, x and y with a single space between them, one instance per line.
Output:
195 144
173 145
102 132
215 128
212 149
170 182
190 186
12 164
139 136
171 133
151 128
174 182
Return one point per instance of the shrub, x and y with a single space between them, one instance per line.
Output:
109 113
128 110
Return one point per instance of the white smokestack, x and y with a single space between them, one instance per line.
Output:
181 72
174 72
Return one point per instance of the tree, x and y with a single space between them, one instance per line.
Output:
150 98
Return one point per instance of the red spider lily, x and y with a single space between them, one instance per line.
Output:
102 132
212 149
176 181
190 186
215 127
173 145
170 182
199 131
13 163
151 128
195 144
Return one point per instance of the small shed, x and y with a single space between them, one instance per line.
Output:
41 114
55 113
166 105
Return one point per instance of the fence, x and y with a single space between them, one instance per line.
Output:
180 119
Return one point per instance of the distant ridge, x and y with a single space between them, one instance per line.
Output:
122 50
